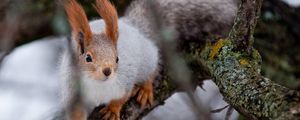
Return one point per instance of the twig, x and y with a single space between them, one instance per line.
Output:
229 113
219 109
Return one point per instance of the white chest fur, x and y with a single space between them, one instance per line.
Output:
99 92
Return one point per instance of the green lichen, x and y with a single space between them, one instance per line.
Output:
237 74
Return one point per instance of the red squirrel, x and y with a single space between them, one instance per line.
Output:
112 61
116 54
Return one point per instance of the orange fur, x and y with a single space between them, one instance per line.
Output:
144 92
112 111
78 21
109 14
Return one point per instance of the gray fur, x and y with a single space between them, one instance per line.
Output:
190 18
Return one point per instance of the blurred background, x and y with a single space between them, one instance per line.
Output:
32 36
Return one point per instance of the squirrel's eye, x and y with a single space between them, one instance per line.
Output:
117 60
88 58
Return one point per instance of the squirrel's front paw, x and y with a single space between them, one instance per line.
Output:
110 113
145 94
112 110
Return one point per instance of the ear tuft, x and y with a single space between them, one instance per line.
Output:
109 14
79 23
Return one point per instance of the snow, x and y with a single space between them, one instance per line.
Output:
28 81
294 3
29 87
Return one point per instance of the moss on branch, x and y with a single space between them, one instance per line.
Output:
237 74
235 69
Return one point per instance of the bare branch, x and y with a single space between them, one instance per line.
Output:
229 112
219 109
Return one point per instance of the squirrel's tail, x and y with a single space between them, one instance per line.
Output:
192 19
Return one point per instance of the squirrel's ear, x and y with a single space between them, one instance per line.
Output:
110 16
79 23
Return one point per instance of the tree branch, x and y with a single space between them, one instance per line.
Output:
235 68
242 32
239 80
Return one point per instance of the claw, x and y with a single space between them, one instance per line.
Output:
145 94
135 91
109 114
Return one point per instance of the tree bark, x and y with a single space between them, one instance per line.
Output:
242 32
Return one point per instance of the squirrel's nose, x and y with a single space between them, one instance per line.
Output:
106 71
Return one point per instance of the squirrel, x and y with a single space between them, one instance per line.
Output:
119 57
113 58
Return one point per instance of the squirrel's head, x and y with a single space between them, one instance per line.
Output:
97 53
